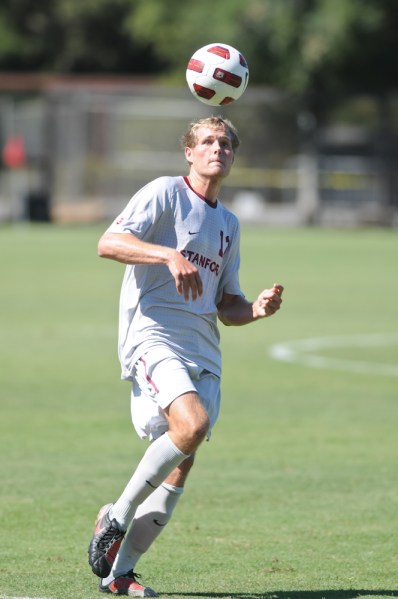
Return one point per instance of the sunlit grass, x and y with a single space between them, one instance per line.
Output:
295 496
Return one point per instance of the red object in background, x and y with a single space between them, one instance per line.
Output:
14 155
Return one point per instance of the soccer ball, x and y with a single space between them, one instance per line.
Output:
217 74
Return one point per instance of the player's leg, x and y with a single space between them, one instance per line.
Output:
188 424
149 521
152 516
158 462
159 506
188 421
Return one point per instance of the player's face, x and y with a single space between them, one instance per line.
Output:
213 155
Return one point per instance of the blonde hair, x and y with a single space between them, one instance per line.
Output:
190 137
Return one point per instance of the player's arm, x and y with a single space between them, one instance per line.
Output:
236 310
129 249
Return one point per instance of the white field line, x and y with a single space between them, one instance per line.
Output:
12 597
307 352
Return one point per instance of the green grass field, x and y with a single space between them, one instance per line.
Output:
296 495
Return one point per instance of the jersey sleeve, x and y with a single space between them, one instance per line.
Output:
142 211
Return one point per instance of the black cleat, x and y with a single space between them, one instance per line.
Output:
105 543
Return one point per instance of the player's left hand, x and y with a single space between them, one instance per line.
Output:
268 302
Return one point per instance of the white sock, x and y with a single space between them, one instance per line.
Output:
149 521
159 460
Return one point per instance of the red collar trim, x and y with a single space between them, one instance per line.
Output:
211 204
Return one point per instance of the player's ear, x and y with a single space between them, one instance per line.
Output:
188 154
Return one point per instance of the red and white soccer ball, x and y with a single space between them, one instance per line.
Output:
217 74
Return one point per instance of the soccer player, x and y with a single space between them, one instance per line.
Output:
181 248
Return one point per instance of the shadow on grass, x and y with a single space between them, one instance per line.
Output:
319 594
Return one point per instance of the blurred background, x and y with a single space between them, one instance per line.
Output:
93 101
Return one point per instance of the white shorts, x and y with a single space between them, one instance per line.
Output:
160 376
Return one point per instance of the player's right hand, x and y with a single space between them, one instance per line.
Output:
186 276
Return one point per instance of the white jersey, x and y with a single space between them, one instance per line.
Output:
168 212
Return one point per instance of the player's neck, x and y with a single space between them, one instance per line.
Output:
208 188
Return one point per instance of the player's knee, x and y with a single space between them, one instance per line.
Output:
199 428
188 422
194 431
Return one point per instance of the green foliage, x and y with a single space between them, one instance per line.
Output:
294 497
302 46
180 28
308 47
71 36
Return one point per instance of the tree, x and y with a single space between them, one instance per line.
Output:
313 48
69 36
